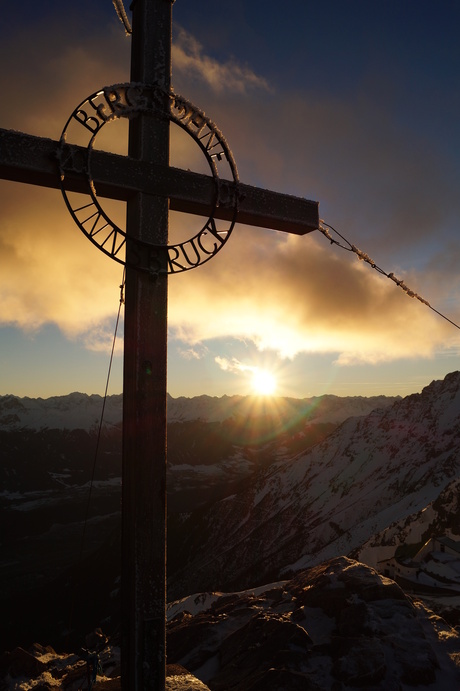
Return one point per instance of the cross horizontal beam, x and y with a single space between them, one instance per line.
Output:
34 160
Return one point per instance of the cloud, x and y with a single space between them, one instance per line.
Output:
284 293
190 60
298 294
51 71
101 338
386 184
193 353
50 272
233 365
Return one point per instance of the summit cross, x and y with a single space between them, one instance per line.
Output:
151 187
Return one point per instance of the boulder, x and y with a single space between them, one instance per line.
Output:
20 663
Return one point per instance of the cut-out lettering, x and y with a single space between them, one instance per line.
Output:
126 100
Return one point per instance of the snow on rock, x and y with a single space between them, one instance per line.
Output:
183 681
440 517
336 625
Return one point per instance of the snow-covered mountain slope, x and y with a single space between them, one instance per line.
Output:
368 473
81 411
440 517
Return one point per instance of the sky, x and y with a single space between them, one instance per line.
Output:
353 104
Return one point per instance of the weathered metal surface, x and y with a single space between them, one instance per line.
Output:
32 160
144 380
139 101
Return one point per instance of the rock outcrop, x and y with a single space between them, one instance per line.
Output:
337 625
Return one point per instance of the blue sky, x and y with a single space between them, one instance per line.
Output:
355 105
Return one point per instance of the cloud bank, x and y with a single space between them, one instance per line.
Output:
284 293
300 294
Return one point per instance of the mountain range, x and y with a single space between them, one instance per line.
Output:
80 411
258 491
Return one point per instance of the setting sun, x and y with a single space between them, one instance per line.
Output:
263 382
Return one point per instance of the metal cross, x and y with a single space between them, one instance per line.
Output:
150 187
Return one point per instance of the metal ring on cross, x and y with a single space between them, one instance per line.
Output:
76 156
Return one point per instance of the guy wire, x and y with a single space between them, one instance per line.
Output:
324 229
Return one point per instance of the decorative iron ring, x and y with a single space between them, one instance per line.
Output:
128 101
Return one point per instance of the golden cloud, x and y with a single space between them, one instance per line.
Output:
299 294
50 272
284 293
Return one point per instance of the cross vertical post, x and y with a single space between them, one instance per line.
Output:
144 388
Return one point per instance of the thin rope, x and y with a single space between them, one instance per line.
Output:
324 228
122 16
99 434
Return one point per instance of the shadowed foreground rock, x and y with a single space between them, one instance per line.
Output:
336 626
45 669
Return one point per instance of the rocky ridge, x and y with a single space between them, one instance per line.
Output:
336 626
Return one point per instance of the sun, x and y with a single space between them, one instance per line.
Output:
263 382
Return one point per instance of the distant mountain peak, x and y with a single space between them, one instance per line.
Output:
82 411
